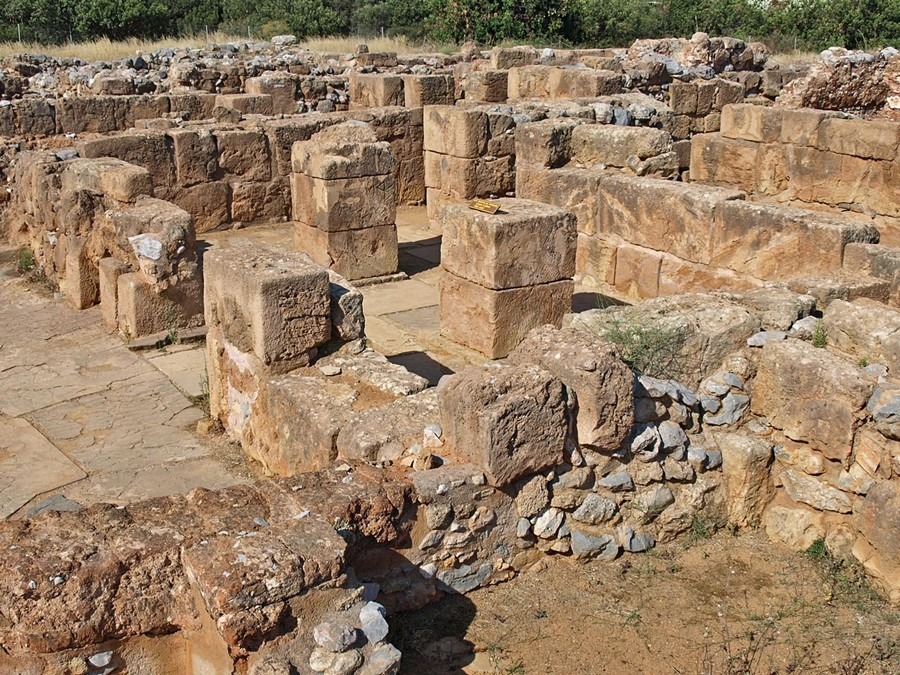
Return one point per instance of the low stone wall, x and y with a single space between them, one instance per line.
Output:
97 232
648 237
808 157
223 173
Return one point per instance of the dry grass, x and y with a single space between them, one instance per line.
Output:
107 50
793 58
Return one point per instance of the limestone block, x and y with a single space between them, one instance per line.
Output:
385 433
143 148
110 269
874 453
282 87
462 178
504 58
677 276
283 133
725 161
801 127
208 204
375 90
422 90
870 331
566 83
373 370
745 466
546 143
140 310
591 368
297 423
529 82
869 139
193 106
878 549
814 492
455 131
348 322
572 189
82 276
247 104
774 243
347 150
595 260
749 122
345 203
509 420
674 217
244 154
195 156
120 180
377 59
489 86
526 243
494 322
613 145
683 98
354 254
273 305
637 271
811 395
795 526
260 201
825 177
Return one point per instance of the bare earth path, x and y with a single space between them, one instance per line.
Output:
82 416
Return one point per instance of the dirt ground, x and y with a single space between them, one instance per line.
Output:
724 605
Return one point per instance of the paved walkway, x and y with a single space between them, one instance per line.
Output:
82 416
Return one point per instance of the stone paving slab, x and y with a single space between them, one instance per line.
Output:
101 422
185 366
397 297
29 465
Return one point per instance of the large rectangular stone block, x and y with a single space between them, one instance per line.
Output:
142 148
274 305
508 420
779 243
208 204
118 179
526 243
869 139
637 271
344 204
489 86
280 86
195 155
547 143
572 189
463 178
142 311
110 269
529 82
595 260
725 161
354 254
504 58
261 201
244 154
750 122
248 104
422 90
495 322
612 145
82 276
455 131
566 83
663 215
375 90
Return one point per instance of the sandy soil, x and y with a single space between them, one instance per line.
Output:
724 605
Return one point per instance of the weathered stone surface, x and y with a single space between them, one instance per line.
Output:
495 322
815 493
613 145
811 395
746 462
526 244
878 549
602 383
510 420
455 131
387 432
120 180
275 306
865 330
586 545
354 254
795 526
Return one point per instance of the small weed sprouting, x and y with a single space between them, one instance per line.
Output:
26 260
646 344
701 529
816 550
819 336
863 362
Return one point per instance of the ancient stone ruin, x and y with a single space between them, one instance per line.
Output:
687 305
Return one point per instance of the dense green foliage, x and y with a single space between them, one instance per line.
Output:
802 24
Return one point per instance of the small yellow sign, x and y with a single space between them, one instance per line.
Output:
484 206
